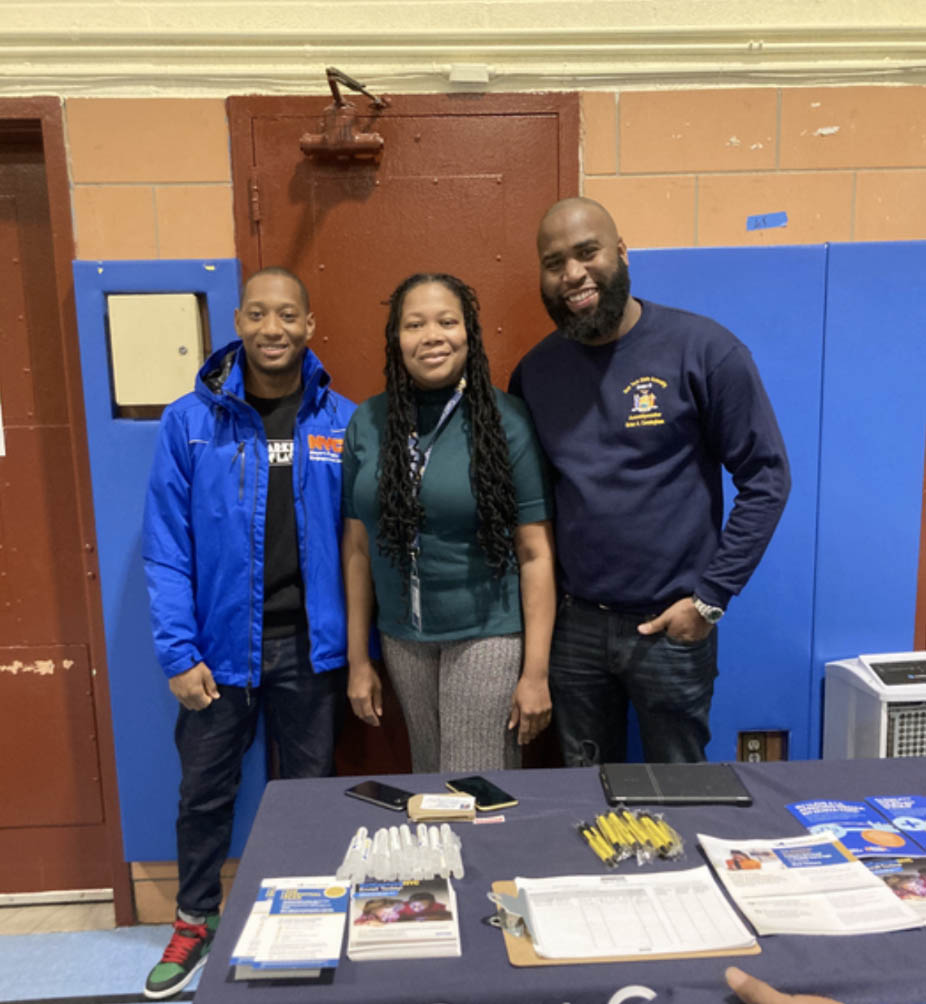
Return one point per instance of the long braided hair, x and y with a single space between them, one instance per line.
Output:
401 512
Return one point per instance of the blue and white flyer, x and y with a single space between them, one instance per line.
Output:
805 885
906 812
858 825
304 927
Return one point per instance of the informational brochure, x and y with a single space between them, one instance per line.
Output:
860 827
597 916
295 928
805 885
905 877
414 919
906 812
246 945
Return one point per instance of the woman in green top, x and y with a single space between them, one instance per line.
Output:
447 537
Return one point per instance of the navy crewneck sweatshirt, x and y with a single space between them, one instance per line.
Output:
638 431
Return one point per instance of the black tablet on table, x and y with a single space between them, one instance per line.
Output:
673 784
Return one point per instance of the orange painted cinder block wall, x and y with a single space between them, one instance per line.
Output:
151 177
688 167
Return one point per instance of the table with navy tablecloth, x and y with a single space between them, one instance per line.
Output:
303 828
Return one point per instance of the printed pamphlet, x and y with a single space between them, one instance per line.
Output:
905 877
295 928
415 919
858 825
906 812
805 885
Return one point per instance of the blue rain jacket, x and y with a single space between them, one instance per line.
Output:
203 541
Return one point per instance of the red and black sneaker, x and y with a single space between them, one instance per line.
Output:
185 953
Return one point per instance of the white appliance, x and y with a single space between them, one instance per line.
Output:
875 706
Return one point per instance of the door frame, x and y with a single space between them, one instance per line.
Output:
47 111
240 110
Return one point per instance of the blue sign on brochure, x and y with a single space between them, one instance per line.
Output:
810 857
858 825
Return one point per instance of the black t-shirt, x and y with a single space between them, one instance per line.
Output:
284 592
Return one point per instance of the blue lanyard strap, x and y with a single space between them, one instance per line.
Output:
418 462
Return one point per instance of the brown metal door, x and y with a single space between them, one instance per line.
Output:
461 187
52 833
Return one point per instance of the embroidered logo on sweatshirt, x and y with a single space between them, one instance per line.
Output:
644 402
325 448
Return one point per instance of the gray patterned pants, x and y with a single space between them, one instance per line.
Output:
456 699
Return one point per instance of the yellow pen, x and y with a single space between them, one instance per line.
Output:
623 832
607 831
595 842
654 828
639 833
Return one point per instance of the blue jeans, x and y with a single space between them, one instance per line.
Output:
303 712
600 664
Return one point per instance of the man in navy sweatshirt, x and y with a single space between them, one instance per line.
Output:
639 407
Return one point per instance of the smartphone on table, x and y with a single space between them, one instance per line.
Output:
378 793
487 795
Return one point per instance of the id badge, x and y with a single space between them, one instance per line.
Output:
414 589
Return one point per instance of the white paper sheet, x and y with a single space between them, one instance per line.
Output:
591 916
805 885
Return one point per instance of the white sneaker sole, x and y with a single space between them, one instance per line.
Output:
157 995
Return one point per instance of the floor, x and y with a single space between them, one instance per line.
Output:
74 954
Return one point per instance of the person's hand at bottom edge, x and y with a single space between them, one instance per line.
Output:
753 991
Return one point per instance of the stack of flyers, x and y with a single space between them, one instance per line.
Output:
295 928
411 919
857 825
906 812
905 877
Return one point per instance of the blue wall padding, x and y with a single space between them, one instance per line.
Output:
871 461
838 336
772 299
121 451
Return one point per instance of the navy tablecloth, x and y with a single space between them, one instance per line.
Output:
303 828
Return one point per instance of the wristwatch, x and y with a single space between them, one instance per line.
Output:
709 613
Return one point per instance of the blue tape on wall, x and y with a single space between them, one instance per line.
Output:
766 221
765 638
121 451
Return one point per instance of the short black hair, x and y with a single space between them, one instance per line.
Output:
277 270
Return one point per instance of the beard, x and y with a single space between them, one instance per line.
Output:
602 323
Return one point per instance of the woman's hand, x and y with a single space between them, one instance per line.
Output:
531 708
365 692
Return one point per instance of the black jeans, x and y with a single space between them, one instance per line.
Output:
303 712
600 663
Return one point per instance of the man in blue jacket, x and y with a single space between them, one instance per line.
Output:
242 523
639 408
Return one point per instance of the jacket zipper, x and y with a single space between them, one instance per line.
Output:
239 453
299 458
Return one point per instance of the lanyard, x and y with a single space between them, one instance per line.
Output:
417 465
419 461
